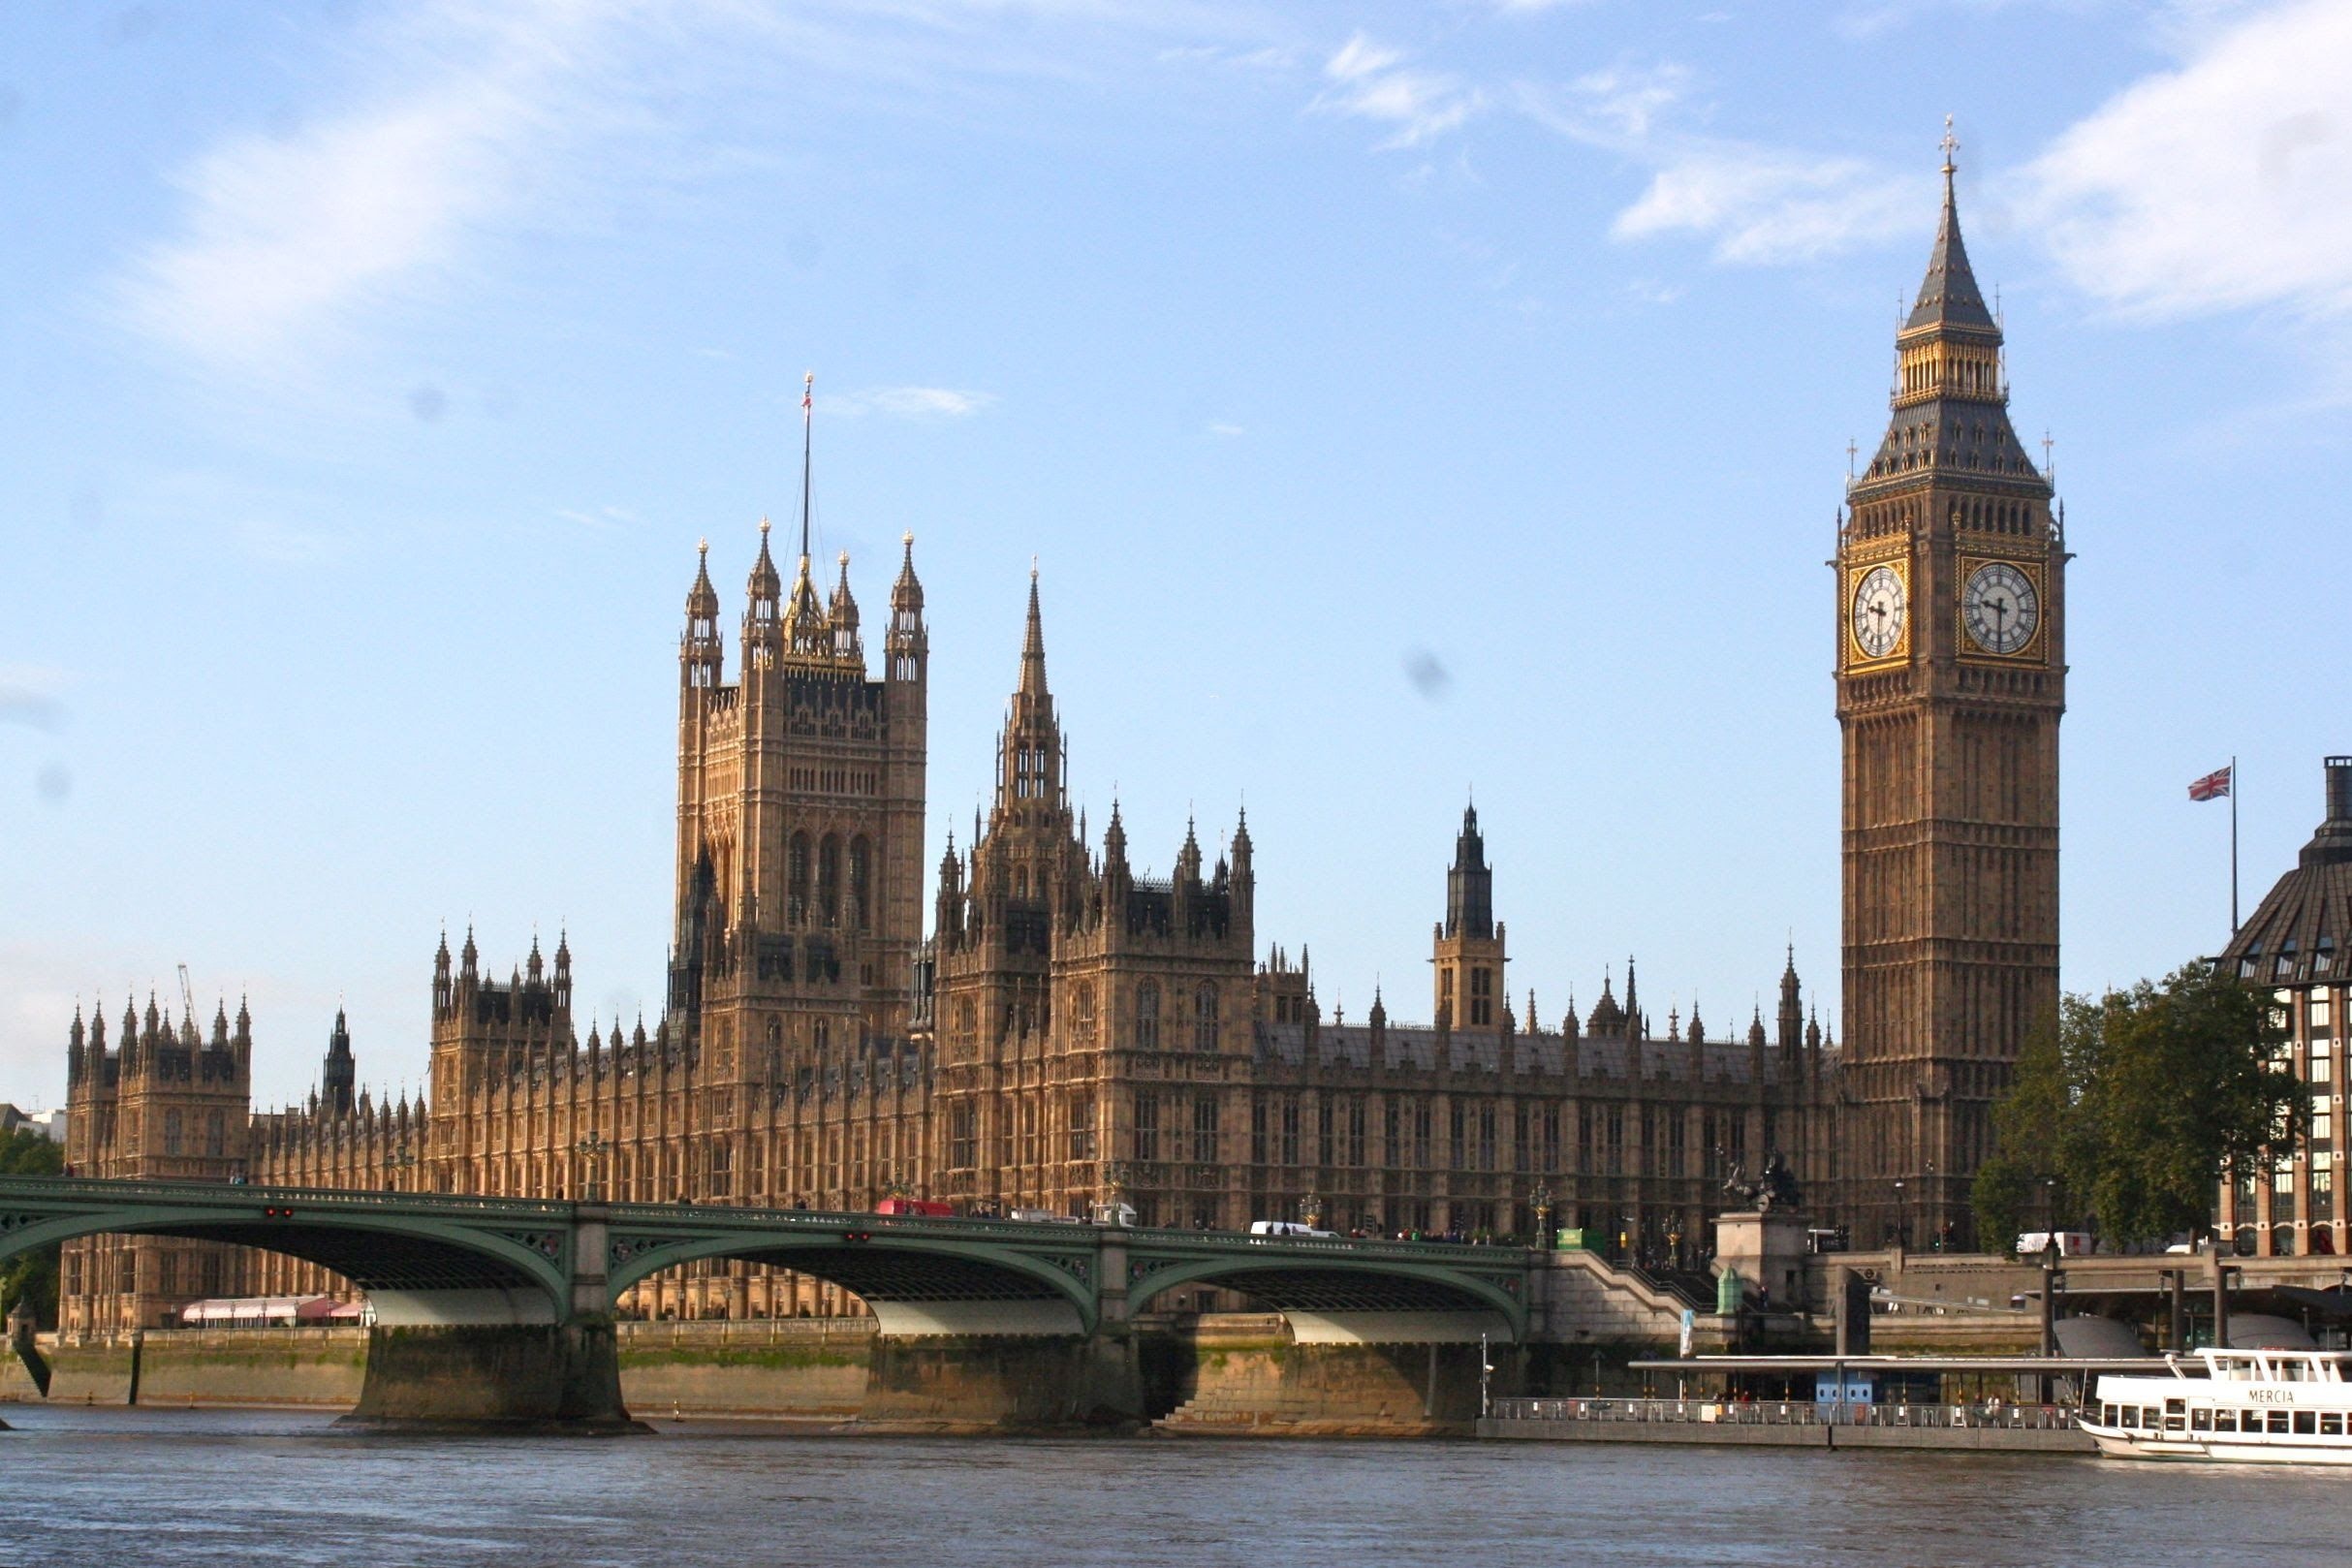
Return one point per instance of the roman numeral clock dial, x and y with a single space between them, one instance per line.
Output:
1880 608
2001 608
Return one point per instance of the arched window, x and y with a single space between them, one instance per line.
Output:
797 877
829 879
1081 1017
1147 1016
1205 1018
860 884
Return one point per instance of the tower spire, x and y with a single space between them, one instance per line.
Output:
1950 397
808 408
1949 296
1033 644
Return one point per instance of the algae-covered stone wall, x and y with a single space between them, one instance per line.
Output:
787 1368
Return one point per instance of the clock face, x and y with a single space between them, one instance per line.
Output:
2001 608
1879 608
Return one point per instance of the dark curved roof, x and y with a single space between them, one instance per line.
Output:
2302 931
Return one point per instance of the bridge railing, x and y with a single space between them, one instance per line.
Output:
352 1198
106 1189
1789 1413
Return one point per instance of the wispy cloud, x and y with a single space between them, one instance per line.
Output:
1763 205
1372 81
1755 203
456 126
1219 427
2223 184
908 402
286 237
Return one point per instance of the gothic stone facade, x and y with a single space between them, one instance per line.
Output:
1073 1032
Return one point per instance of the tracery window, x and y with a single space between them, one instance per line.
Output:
1147 1016
797 866
1204 1017
860 884
829 879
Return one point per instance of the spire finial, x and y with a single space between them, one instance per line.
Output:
1951 146
808 404
701 548
1033 644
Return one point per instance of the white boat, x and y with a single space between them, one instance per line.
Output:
2229 1407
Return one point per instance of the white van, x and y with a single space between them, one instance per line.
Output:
2071 1243
1289 1227
1043 1216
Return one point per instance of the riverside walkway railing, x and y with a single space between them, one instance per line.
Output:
1790 1413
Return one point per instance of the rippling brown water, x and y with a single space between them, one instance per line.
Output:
106 1487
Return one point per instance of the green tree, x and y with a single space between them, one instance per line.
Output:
2017 1189
2130 1111
31 1276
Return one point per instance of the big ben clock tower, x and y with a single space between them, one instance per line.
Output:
1951 681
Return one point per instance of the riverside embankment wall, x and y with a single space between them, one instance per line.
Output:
789 1367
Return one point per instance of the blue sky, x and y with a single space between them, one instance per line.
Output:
368 372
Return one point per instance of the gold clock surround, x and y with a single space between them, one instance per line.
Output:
1857 569
1967 647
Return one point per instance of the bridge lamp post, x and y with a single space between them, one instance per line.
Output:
394 1164
592 1150
1902 1217
1541 1198
1310 1211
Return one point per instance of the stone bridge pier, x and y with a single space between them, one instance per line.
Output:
502 1356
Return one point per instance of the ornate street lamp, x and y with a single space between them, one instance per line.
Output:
1310 1210
1541 1198
592 1150
404 1160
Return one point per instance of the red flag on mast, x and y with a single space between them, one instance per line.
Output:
2213 786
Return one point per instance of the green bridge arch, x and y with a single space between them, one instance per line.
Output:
882 1269
1427 1286
381 1243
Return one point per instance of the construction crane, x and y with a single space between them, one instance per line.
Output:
187 999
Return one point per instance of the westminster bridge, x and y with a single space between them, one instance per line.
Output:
499 1311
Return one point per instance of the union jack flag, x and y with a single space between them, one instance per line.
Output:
2211 787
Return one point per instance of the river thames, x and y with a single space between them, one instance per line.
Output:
118 1486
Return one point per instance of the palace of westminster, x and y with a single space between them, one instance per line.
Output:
1072 1032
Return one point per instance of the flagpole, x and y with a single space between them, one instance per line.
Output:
2233 847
